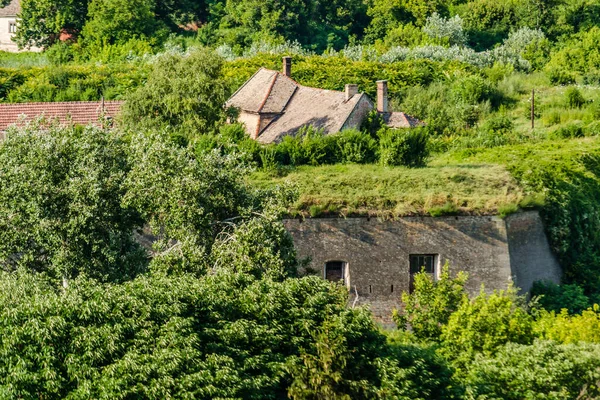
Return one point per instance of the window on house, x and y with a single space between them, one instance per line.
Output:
335 271
422 262
12 27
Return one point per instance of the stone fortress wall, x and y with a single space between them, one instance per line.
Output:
376 254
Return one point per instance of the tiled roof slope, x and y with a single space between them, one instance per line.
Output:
400 120
323 109
79 112
265 92
271 92
11 10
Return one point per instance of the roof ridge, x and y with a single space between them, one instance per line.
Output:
269 90
246 83
46 103
353 108
299 84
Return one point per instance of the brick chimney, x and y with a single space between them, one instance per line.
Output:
351 90
382 97
287 66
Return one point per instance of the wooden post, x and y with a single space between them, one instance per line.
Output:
102 113
532 109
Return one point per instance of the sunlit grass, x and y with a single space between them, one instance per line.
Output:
22 60
398 191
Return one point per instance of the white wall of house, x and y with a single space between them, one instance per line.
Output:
6 43
7 33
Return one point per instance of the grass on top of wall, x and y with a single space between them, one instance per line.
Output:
389 192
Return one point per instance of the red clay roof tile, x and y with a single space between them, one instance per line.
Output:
78 112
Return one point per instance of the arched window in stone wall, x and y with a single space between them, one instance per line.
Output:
336 271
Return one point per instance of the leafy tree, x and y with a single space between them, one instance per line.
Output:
313 23
553 297
185 93
565 328
544 370
187 199
430 305
119 21
60 204
485 323
225 335
42 21
448 30
388 15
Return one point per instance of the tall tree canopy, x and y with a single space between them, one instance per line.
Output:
60 204
43 20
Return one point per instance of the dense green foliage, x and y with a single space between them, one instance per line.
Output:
431 304
61 210
184 93
543 370
212 305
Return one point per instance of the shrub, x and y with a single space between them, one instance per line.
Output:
431 303
60 53
544 370
355 147
564 328
574 98
472 89
317 148
500 124
569 131
559 76
372 123
553 297
484 324
408 147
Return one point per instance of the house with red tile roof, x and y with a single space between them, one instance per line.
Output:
272 105
72 113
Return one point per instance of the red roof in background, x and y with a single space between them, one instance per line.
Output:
76 112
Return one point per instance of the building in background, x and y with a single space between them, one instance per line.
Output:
9 25
272 105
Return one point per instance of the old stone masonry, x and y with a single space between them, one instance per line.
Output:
377 259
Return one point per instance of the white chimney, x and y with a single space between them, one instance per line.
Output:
382 97
287 66
351 90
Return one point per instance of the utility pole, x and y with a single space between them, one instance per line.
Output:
532 109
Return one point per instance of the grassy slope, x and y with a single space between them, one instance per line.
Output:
397 191
470 181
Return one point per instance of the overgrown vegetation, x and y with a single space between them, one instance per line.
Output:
212 306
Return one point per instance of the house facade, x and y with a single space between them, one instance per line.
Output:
272 105
9 25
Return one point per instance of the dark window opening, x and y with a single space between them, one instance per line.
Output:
421 263
12 27
334 271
